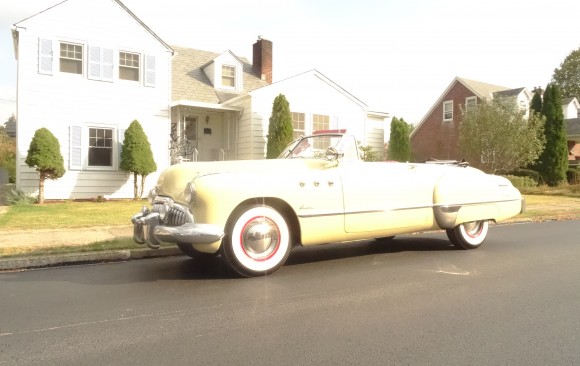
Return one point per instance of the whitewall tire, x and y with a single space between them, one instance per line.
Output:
469 235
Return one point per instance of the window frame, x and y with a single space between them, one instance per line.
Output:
445 111
138 70
61 58
469 99
232 77
79 147
296 122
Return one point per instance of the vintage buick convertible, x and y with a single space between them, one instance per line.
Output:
318 191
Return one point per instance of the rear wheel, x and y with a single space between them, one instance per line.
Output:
257 241
469 235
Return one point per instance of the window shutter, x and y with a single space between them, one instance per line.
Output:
95 63
45 56
108 64
75 143
120 140
149 70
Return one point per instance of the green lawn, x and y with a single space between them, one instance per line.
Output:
70 215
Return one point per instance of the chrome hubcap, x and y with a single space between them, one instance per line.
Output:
260 238
474 228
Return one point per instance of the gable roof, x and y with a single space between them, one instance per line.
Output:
508 93
190 83
481 90
118 3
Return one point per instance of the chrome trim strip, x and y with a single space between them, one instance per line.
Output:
450 206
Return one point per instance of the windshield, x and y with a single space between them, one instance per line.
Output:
314 147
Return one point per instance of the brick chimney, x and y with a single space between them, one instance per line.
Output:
262 62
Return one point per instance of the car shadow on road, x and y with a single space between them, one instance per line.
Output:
334 251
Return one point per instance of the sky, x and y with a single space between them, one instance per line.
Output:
395 56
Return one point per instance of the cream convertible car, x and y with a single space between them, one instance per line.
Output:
318 191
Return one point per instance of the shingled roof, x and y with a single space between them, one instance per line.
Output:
572 126
190 83
482 90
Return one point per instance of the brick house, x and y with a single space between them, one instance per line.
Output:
436 136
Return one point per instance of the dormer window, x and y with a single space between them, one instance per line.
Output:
228 76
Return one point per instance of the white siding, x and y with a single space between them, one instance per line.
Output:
60 101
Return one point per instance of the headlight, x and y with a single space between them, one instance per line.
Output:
152 195
190 194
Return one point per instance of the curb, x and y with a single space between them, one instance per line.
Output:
30 262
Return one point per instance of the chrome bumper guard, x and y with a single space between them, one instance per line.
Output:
147 230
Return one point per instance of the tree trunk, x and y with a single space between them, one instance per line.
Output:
41 188
135 188
142 186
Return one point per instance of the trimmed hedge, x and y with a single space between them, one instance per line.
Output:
521 182
529 173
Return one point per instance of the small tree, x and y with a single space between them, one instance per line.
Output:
44 155
137 157
8 154
497 137
399 141
553 162
567 76
280 131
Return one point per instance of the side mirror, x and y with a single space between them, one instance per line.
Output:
332 154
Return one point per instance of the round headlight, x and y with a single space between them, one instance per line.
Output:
152 195
189 193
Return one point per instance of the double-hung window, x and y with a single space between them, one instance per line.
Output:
470 102
129 66
448 111
100 147
298 124
71 58
228 76
321 122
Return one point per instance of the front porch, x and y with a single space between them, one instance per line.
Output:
202 133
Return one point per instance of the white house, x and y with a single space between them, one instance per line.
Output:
86 70
222 105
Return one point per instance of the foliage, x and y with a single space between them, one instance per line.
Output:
136 156
521 182
369 154
16 197
573 176
567 76
44 155
528 173
553 161
497 137
400 142
8 154
536 104
280 130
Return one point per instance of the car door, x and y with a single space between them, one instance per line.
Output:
383 196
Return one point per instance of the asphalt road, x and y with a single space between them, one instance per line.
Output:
413 301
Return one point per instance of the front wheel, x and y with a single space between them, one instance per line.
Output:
257 241
469 235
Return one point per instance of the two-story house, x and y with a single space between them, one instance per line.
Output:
437 134
87 69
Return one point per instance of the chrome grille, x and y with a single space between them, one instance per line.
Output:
176 216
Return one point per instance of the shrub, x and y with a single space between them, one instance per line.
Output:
573 176
529 173
16 197
521 182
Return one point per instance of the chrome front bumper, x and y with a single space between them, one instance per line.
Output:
147 229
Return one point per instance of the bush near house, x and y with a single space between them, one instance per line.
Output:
137 157
44 156
521 182
280 131
8 154
536 176
573 176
